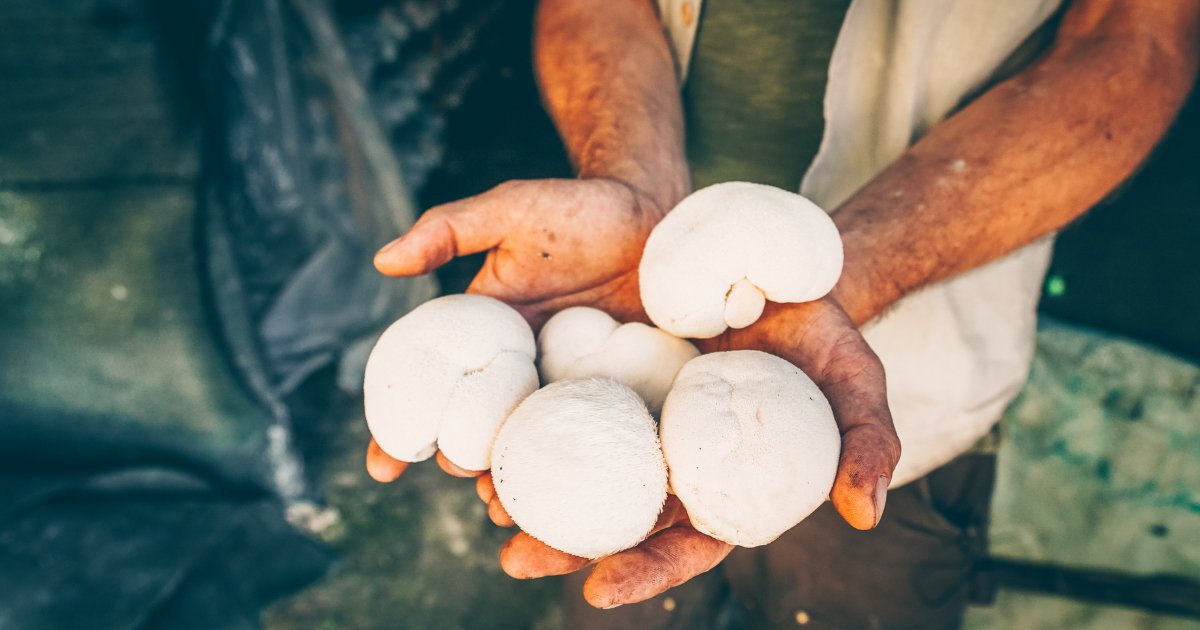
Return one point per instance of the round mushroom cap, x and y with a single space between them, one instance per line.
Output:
570 337
446 375
583 342
724 250
750 443
578 467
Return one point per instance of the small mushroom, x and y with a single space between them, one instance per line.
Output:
446 375
750 443
725 250
582 342
578 466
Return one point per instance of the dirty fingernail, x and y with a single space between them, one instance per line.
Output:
881 488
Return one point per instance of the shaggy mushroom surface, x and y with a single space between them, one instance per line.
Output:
582 342
750 443
726 249
578 467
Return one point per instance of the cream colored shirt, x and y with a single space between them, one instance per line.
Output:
956 353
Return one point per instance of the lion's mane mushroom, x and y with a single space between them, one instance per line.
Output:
750 443
578 466
583 342
724 250
445 376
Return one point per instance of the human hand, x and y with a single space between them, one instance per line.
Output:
550 243
539 235
820 339
672 554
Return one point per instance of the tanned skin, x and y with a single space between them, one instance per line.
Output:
1021 161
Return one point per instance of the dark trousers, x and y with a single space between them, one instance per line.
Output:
916 570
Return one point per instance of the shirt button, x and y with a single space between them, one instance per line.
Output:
669 604
802 617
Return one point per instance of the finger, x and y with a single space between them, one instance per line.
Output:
672 514
454 469
383 467
665 560
527 551
467 226
870 447
498 514
525 557
820 338
860 489
485 488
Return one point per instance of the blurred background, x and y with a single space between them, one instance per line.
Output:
190 194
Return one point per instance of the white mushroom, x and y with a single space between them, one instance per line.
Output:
582 342
750 443
446 375
725 250
578 466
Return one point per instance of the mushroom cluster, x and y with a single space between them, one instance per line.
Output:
577 464
745 439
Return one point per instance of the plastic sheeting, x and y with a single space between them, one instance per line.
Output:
156 353
314 148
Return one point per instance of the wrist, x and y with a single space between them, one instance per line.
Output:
658 187
779 331
865 294
849 293
872 278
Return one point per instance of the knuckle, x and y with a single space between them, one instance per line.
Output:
508 187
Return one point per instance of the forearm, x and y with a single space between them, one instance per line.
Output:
1024 159
608 82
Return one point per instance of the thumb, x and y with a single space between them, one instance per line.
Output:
467 226
870 446
854 382
665 560
869 455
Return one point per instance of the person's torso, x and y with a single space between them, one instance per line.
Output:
763 94
755 89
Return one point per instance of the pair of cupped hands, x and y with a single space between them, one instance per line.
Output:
556 243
